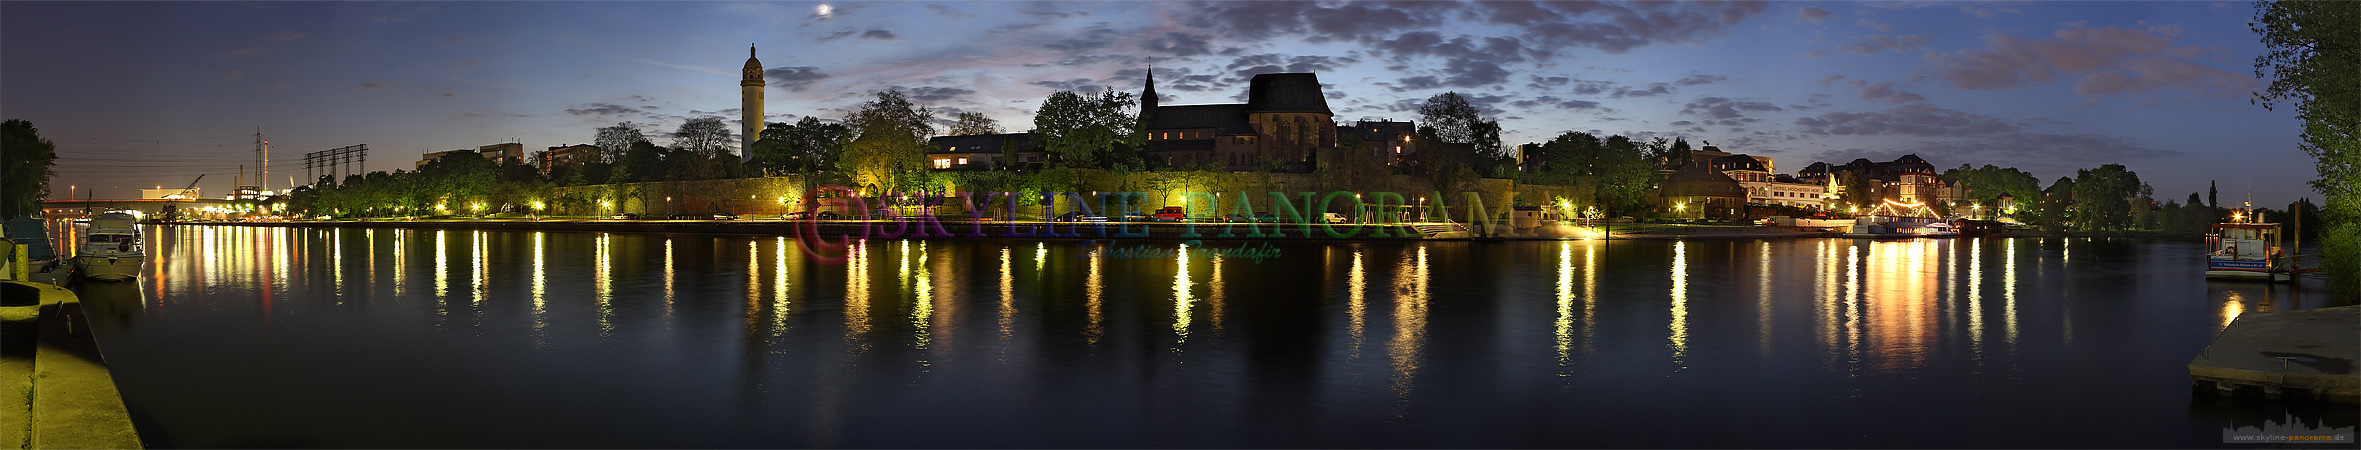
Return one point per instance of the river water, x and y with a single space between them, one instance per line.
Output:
282 337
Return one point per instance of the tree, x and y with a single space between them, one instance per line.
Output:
1676 156
2315 62
889 141
1987 184
1093 131
2057 205
643 161
1458 135
615 140
708 139
27 160
1615 171
970 124
2109 198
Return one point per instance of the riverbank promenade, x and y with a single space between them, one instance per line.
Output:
60 393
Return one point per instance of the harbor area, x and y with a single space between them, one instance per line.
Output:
58 388
2283 354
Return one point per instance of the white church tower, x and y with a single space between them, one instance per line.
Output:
751 92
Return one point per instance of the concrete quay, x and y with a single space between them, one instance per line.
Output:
2305 352
59 392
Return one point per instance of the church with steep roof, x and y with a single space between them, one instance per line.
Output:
1284 119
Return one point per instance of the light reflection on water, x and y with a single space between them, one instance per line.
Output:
1493 338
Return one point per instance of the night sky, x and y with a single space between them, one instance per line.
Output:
138 95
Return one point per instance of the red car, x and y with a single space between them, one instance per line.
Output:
1170 214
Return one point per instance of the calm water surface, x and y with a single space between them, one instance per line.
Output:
276 337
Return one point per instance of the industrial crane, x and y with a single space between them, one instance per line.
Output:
172 211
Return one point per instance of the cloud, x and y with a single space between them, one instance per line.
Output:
1987 12
1093 38
1613 28
689 67
1813 15
399 15
1180 44
1905 120
284 36
931 94
1245 67
1726 111
793 79
1885 92
1078 85
1558 103
250 51
233 75
1878 43
1694 80
371 86
2102 61
1653 89
603 110
874 34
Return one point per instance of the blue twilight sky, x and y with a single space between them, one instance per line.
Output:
140 94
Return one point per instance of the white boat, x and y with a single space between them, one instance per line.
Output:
2246 249
111 250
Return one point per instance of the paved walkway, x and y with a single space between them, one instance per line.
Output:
59 393
2309 349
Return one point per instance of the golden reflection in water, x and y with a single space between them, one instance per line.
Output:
1975 298
442 267
922 311
1213 295
1355 284
753 306
1590 295
668 277
2008 293
1180 297
602 266
369 242
1565 324
401 262
1824 281
1680 303
540 307
1410 308
335 263
1762 300
1008 294
1040 256
483 275
1897 302
856 295
779 296
2234 305
1852 309
1091 290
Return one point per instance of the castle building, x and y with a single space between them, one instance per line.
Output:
750 93
1284 118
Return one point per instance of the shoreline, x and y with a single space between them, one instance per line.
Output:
1153 231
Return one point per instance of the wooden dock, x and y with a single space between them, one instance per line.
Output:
2306 352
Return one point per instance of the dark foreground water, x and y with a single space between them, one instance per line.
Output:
273 337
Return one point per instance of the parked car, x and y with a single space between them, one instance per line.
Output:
626 216
1077 216
1333 217
1136 216
685 216
1266 217
796 215
724 216
1236 218
1171 214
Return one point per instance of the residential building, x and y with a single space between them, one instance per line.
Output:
982 152
567 155
1696 191
425 159
1908 180
1759 177
503 153
1284 118
1384 139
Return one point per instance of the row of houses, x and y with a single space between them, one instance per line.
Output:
1286 117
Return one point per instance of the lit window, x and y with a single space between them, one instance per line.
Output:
962 161
942 164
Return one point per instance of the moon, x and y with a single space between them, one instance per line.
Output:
823 9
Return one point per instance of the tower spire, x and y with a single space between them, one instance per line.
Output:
1148 97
